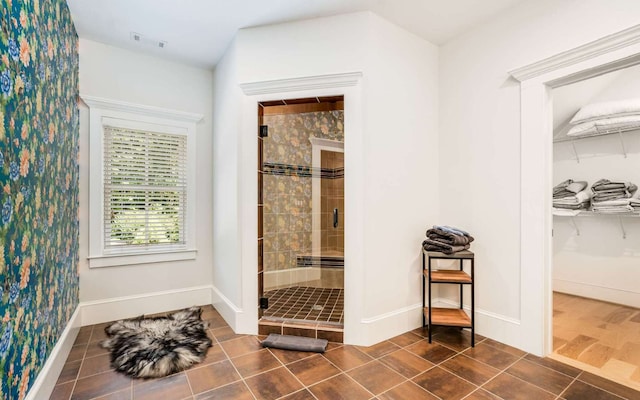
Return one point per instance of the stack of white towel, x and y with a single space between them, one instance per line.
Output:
604 196
615 197
605 117
571 195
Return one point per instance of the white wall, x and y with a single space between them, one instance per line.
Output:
123 75
302 48
480 141
599 262
401 164
226 228
387 163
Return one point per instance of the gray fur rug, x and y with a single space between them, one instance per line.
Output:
156 347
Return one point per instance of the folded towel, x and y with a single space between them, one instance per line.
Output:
449 238
599 199
616 206
433 245
579 206
611 196
605 184
605 190
610 192
617 202
612 209
562 194
608 186
565 212
451 229
562 186
583 196
577 187
575 199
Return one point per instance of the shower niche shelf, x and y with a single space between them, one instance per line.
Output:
447 316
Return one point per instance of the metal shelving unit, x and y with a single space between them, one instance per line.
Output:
600 131
443 316
586 213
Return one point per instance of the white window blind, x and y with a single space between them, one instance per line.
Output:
145 190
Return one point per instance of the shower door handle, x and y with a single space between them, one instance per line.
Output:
335 217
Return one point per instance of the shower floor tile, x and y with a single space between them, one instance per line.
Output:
302 303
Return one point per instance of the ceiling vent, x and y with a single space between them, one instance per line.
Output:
147 41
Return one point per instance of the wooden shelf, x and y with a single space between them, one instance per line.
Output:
448 276
448 317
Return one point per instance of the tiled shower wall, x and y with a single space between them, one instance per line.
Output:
287 223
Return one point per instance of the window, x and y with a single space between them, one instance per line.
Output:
145 189
142 194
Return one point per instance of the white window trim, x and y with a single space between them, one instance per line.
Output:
136 116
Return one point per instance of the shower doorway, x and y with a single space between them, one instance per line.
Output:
301 215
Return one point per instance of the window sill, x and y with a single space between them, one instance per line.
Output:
116 260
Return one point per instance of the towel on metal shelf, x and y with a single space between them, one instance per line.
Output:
447 239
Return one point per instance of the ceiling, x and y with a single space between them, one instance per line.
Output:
198 32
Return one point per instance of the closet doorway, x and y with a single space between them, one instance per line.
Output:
596 225
301 216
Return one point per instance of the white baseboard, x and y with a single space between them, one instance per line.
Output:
611 295
383 326
99 311
48 376
225 307
240 320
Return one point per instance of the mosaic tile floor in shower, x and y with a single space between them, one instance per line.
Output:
306 304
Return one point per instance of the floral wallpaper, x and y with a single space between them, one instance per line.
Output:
38 185
287 221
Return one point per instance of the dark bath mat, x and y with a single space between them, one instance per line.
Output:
297 343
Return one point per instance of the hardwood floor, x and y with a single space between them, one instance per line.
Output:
599 337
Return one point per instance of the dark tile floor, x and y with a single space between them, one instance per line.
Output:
404 367
306 304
